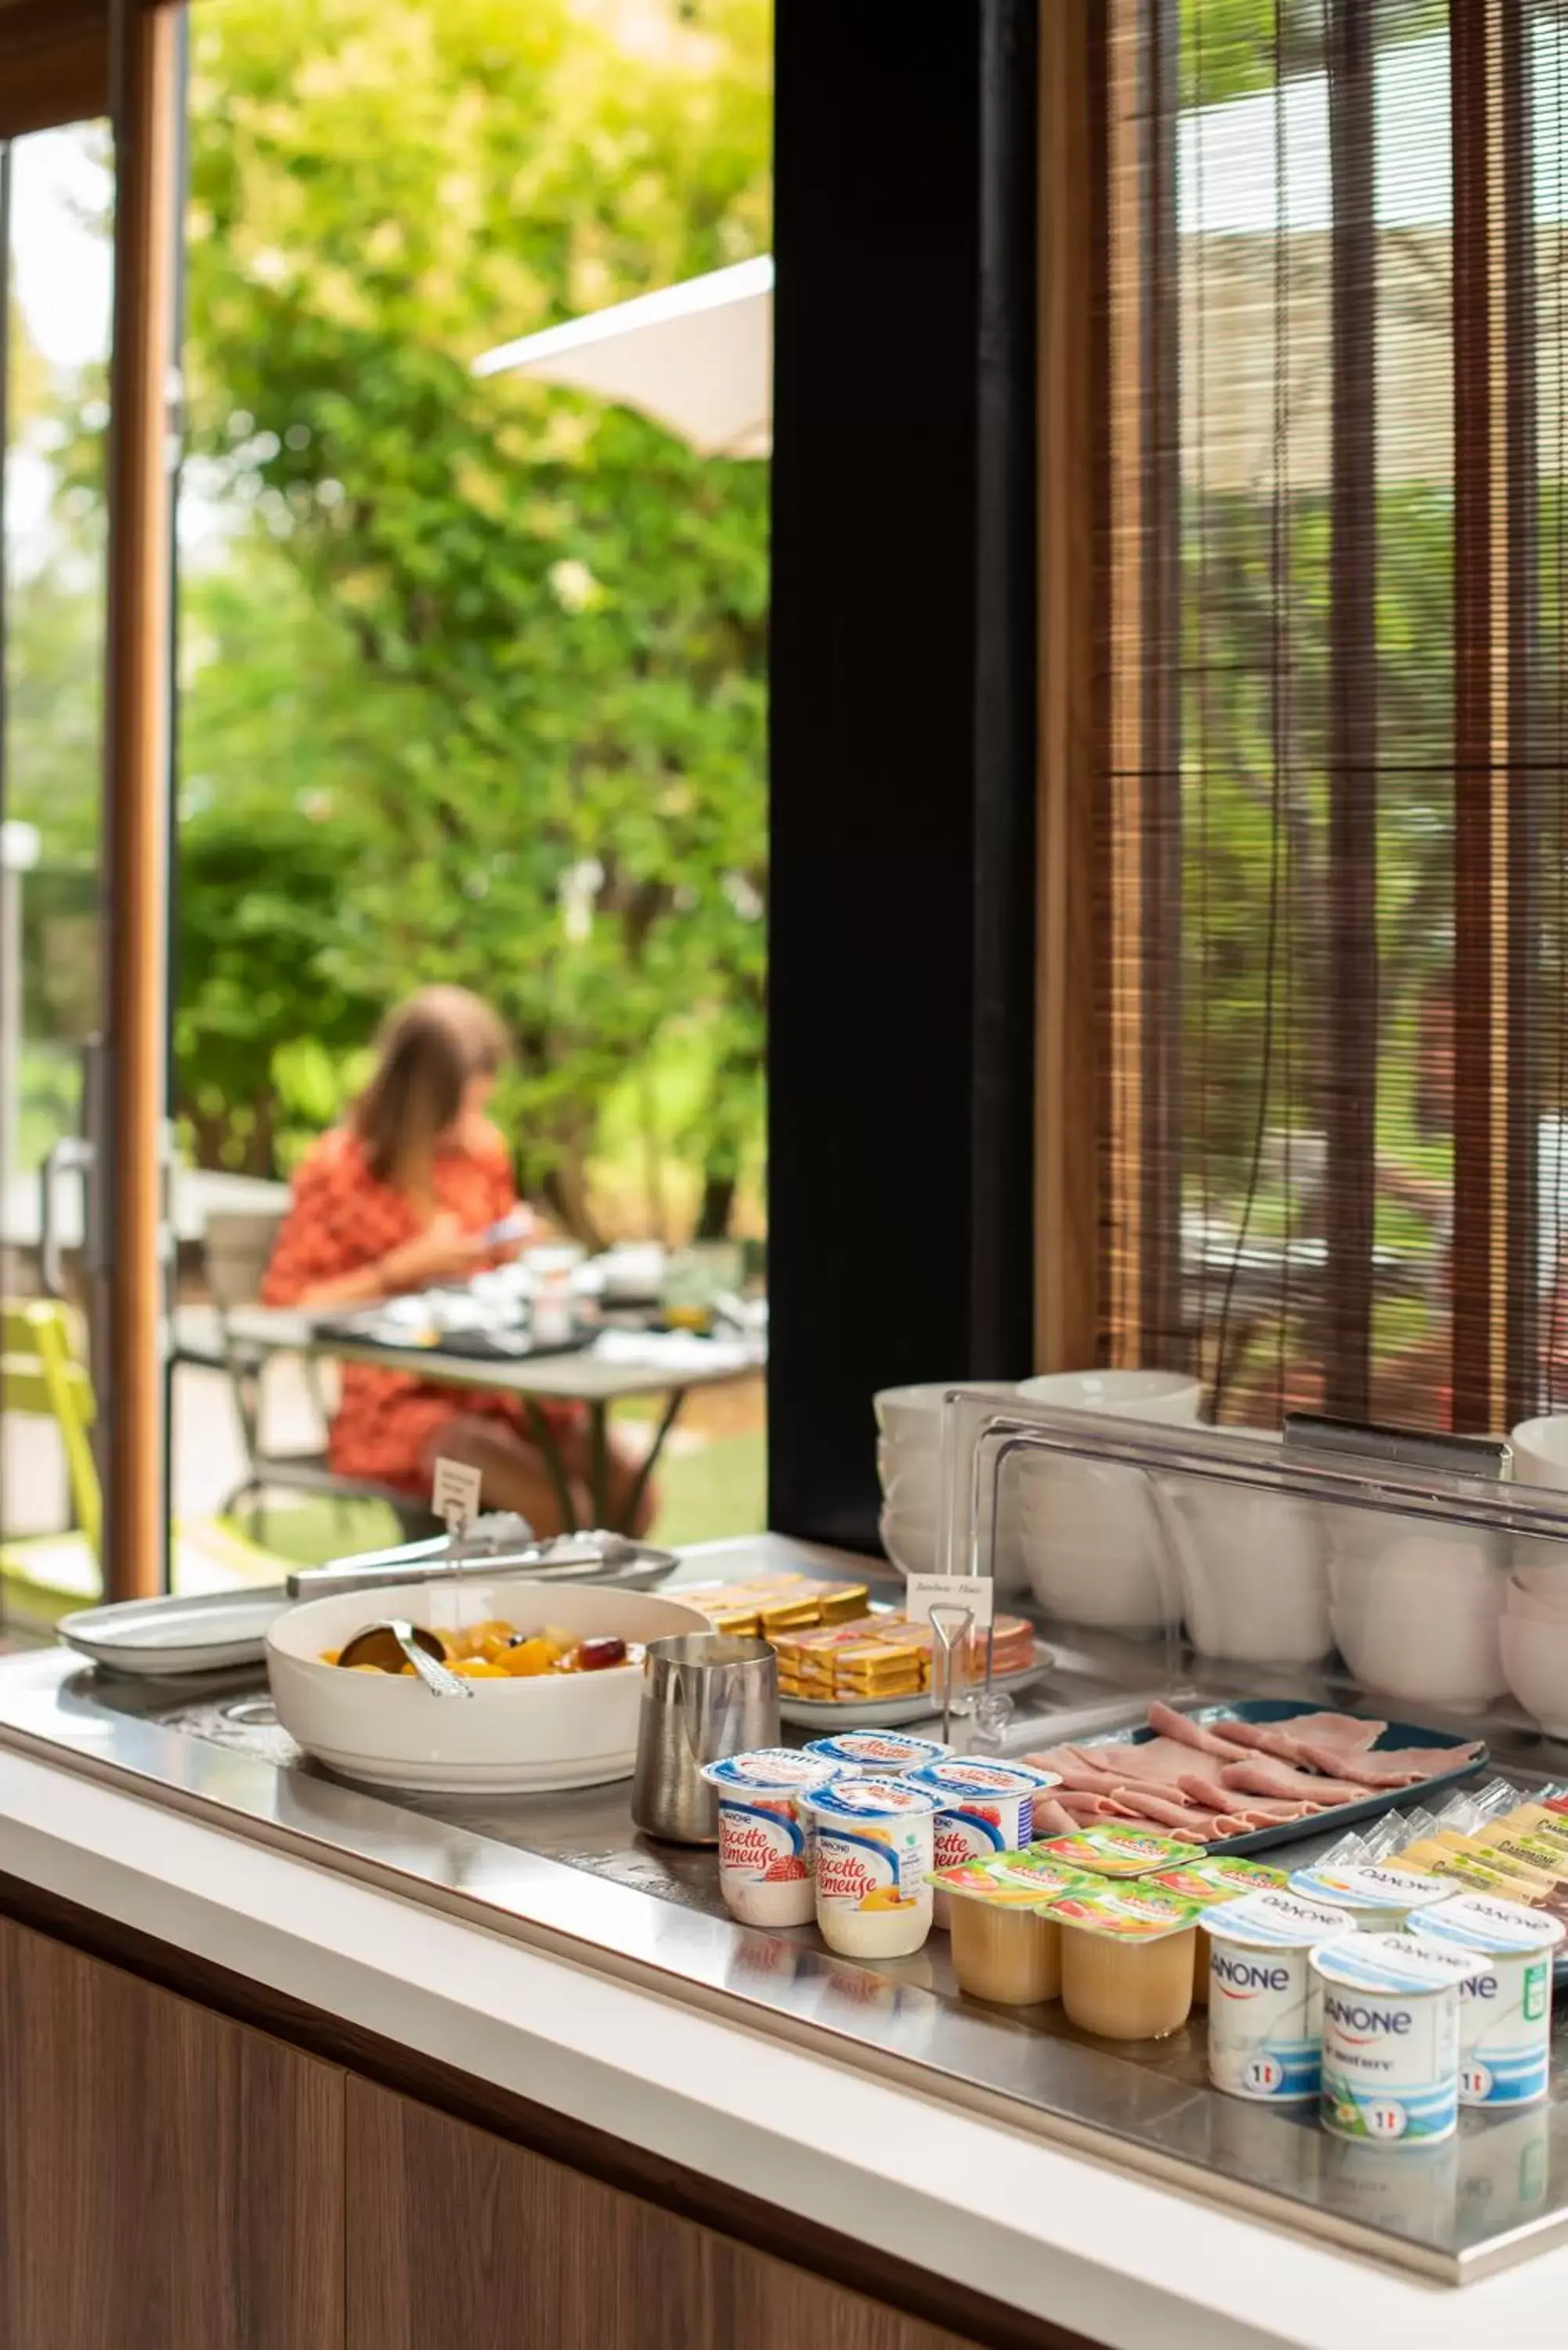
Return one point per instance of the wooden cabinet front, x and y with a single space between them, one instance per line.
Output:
169 2180
457 2237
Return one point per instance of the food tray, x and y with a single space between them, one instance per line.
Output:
894 1712
1343 1816
504 1342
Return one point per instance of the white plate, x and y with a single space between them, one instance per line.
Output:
892 1712
157 1637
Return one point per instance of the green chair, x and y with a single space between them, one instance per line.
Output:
42 1372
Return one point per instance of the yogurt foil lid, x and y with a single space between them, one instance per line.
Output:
1219 1879
1403 1964
1499 1930
1359 1885
1126 1912
772 1767
870 1799
880 1749
1015 1880
1277 1921
1112 1849
959 1775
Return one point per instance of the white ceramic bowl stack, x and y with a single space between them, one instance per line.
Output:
909 1466
1096 1551
1416 1608
1253 1566
1534 1629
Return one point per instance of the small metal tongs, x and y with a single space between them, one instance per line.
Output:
440 1559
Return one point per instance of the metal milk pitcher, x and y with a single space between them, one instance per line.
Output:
704 1695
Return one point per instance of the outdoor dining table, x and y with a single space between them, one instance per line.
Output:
582 1376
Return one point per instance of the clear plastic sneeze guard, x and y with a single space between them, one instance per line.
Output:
1162 1550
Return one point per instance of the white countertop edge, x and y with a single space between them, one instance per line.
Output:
1124 2262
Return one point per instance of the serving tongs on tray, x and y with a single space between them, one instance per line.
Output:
491 1547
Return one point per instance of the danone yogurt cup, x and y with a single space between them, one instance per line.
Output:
1003 1946
765 1865
1390 2037
876 1754
1209 1881
1265 2006
986 1807
1505 2010
1117 1848
873 1848
1380 1900
1126 1959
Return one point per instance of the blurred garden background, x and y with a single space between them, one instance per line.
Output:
472 674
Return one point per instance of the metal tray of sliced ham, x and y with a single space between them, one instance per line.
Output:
1239 1777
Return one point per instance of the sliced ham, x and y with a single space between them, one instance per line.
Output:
1401 1766
1052 1818
1263 1775
1171 1724
1182 1819
1209 1790
1083 1809
1160 1761
1347 1734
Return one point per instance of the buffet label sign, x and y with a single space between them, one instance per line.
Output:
455 1495
975 1592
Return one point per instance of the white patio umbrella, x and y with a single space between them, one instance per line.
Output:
697 358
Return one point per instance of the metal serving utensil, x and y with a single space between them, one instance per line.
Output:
378 1644
439 1562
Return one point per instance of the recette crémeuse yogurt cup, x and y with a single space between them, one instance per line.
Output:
1505 2011
1390 2037
1265 2003
876 1754
764 1859
872 1847
986 1807
1003 1946
1379 1900
1209 1881
1126 1959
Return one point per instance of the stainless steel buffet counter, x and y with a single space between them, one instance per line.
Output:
568 1873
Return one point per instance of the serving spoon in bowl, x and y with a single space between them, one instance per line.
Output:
395 1642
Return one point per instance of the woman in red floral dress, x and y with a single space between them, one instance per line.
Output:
401 1198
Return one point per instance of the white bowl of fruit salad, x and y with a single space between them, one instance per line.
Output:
554 1673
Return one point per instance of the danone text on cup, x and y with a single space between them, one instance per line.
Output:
872 1848
1390 2037
1505 2010
1265 2006
765 1865
876 1754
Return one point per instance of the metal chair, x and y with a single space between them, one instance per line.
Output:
237 1250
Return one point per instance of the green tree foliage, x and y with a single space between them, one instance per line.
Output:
484 698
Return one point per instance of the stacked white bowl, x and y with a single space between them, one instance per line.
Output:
1093 1544
1417 1607
1534 1629
909 1465
1253 1566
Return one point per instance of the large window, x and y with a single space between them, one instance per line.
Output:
1331 619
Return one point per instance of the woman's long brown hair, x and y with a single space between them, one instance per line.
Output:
426 1053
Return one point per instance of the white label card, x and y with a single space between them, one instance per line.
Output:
455 1495
975 1592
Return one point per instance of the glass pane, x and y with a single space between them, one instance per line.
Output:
59 266
472 671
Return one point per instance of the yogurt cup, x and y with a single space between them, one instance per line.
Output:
1505 2011
1390 2037
1380 1900
876 1754
873 1850
1118 1848
1127 1961
1209 1881
986 1807
764 1860
1004 1948
1265 2003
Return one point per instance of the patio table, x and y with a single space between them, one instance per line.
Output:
583 1377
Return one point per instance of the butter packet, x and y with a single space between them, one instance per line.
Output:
1115 1848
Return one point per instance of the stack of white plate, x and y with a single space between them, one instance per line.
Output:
1094 1547
1534 1629
1253 1565
909 1465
